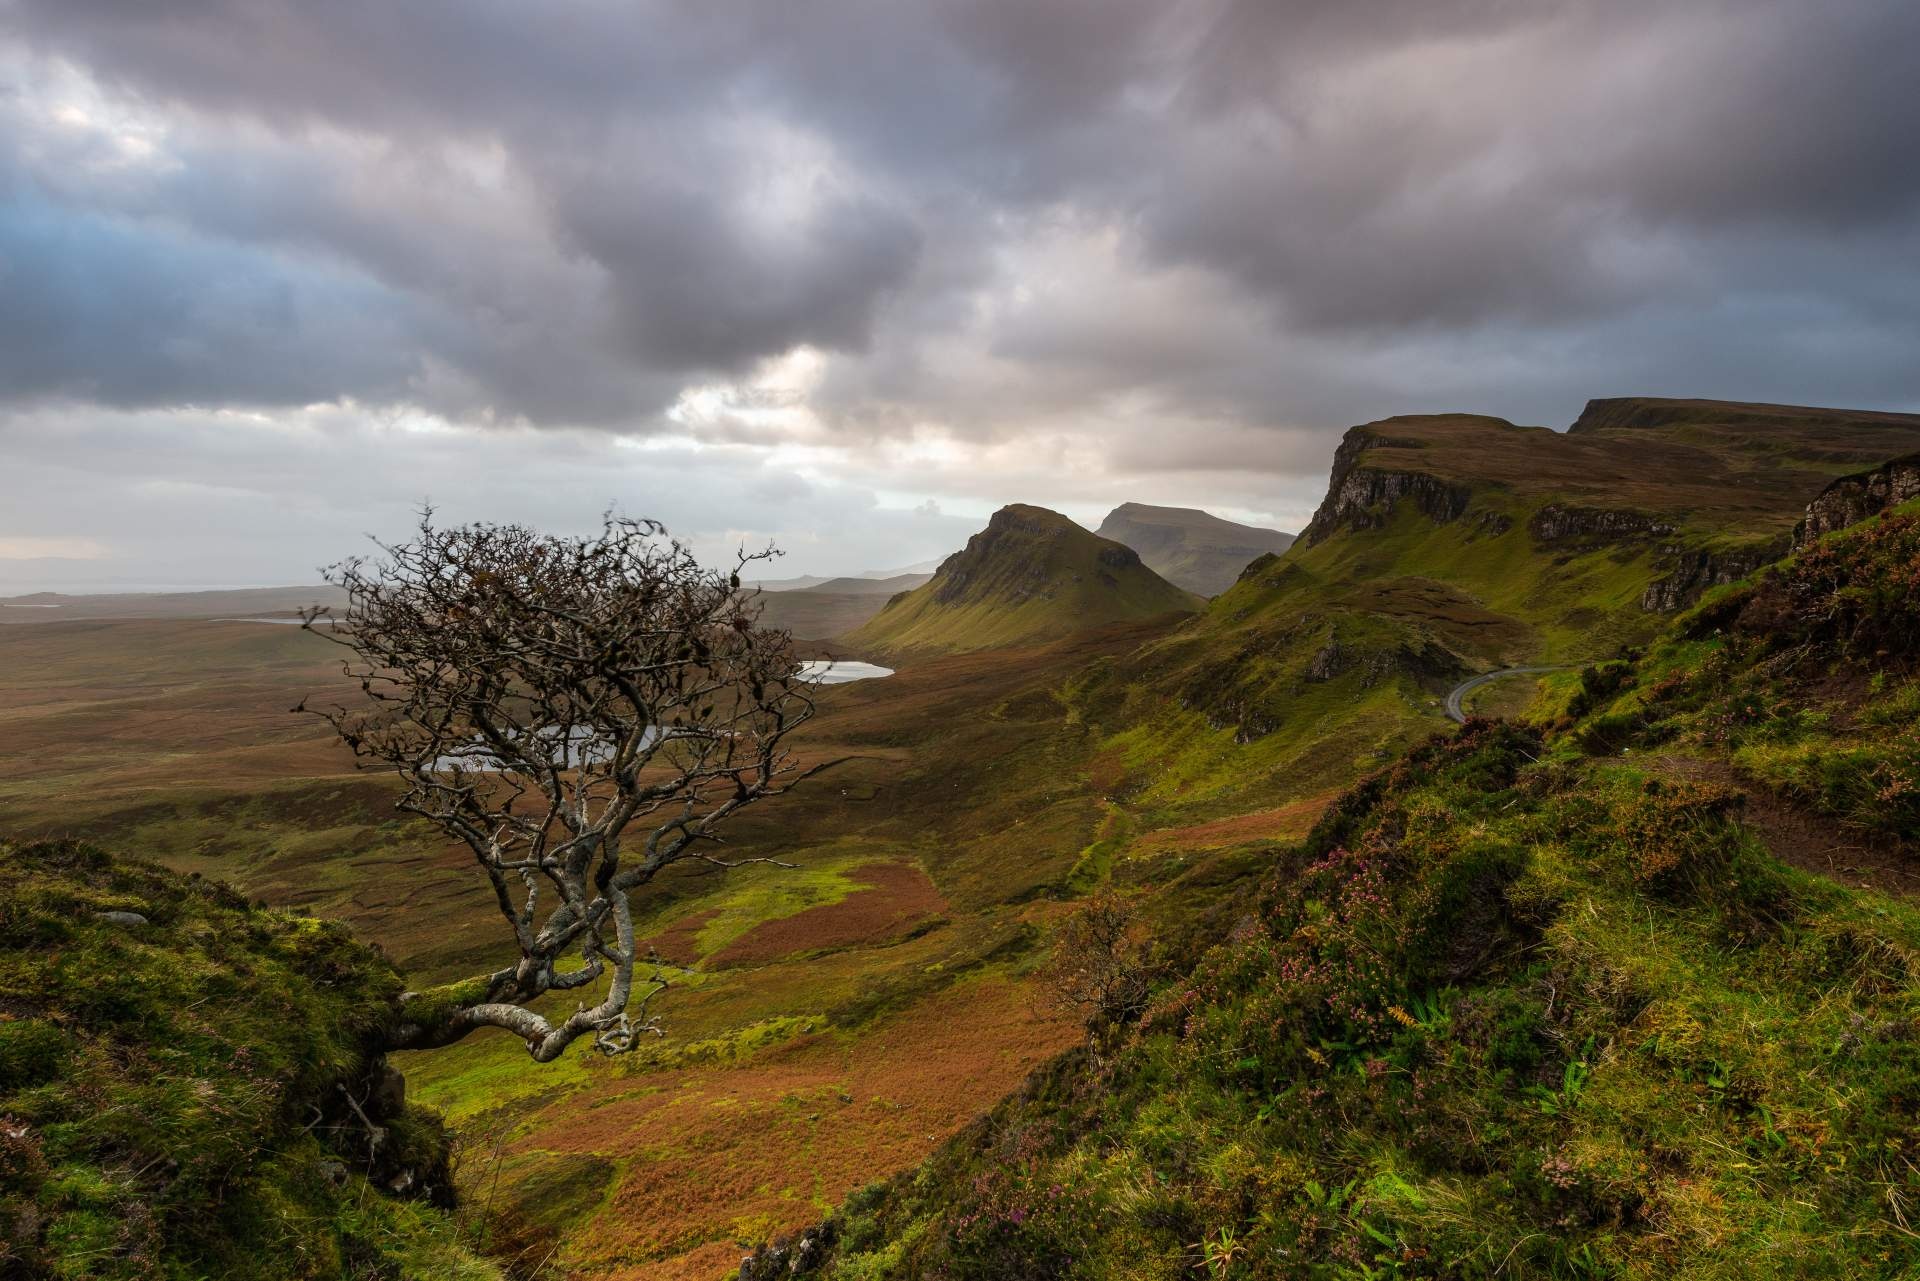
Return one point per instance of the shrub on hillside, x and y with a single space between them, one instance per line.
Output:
1101 971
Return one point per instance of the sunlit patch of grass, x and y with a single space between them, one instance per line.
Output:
751 896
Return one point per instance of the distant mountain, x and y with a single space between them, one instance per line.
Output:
831 607
862 582
49 607
1188 547
1030 575
918 567
871 586
798 583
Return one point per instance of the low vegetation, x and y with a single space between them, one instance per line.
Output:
191 1087
1532 1001
1803 680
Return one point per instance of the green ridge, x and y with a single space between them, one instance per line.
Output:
1030 575
1455 544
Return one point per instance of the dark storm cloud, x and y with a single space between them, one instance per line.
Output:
699 282
1304 212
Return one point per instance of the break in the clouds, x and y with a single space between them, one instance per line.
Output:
799 271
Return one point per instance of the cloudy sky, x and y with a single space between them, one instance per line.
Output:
849 274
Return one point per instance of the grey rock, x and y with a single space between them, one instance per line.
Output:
1852 499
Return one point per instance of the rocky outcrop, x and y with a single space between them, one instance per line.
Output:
1258 566
1364 498
1329 661
1557 522
1251 693
799 1254
1696 572
1852 499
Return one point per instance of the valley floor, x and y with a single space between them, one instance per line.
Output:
837 1022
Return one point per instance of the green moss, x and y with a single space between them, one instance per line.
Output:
756 895
165 1084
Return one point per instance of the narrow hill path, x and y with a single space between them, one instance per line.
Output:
1807 840
1458 713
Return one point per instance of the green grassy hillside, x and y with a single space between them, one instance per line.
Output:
1450 545
175 1070
1192 549
1635 993
1030 575
842 1020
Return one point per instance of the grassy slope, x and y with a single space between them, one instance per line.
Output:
874 1012
1333 657
1030 575
1522 1007
169 1089
814 614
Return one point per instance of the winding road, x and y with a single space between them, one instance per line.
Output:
1456 712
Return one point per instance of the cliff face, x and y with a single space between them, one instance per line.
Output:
1361 497
1852 499
1557 522
1694 572
1690 572
1707 490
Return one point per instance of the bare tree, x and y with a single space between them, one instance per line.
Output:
581 713
1100 969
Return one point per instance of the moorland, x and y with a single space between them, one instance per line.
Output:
1621 985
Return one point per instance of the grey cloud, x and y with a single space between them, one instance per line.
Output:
702 284
1001 218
